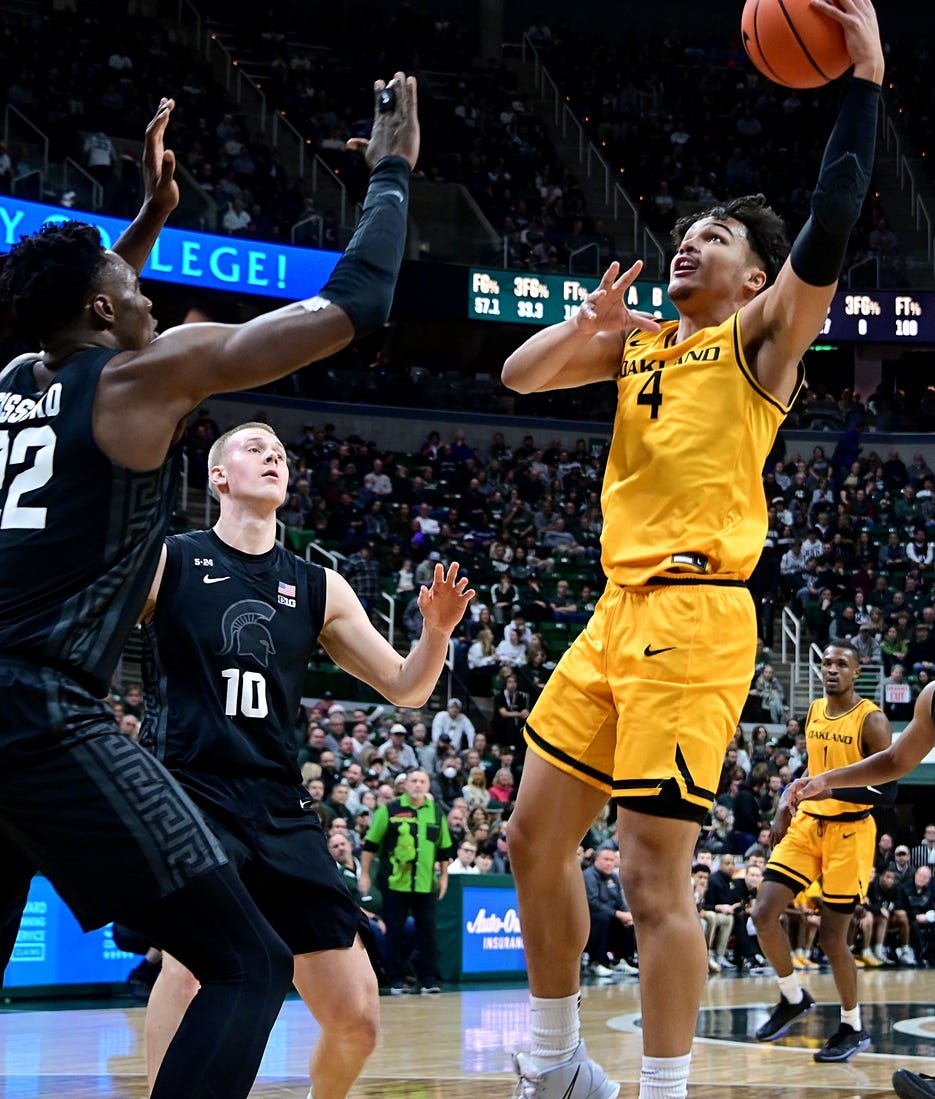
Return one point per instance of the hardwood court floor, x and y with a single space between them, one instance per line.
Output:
458 1044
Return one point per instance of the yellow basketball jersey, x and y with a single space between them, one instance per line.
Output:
683 491
834 742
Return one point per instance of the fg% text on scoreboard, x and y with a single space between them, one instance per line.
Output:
522 298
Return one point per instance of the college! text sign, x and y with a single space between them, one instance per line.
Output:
191 258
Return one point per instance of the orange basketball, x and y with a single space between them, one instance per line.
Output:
793 44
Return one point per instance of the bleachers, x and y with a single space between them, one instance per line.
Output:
870 682
559 635
326 680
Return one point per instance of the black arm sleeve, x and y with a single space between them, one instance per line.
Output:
818 252
363 282
884 793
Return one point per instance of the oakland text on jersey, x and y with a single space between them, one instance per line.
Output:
643 366
824 734
15 407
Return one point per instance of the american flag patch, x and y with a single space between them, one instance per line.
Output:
286 589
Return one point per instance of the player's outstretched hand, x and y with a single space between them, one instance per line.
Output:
605 310
444 603
807 789
395 130
160 186
858 20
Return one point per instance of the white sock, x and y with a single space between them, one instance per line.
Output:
556 1029
664 1077
791 988
852 1017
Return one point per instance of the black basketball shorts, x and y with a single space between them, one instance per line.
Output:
275 840
83 803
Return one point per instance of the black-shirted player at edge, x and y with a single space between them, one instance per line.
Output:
230 626
89 459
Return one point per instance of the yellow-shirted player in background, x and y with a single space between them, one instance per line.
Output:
644 703
903 755
833 839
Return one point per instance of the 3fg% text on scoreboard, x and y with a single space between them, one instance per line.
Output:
522 298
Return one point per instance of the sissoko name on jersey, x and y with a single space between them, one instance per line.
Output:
61 609
225 654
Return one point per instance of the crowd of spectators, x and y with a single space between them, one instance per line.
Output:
92 78
354 759
849 547
523 524
851 534
663 130
698 124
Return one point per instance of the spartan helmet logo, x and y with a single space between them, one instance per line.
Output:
244 633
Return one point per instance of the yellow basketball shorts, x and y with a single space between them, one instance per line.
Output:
647 698
839 852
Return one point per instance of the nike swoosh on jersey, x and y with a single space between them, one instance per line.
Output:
650 651
847 835
214 579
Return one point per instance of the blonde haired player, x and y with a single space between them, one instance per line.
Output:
230 625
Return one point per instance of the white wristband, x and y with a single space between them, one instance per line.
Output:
313 305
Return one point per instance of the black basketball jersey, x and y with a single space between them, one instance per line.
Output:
225 655
79 535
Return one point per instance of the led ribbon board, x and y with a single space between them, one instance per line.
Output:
191 258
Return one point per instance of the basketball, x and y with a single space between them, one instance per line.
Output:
793 44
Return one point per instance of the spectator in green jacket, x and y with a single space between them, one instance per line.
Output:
410 835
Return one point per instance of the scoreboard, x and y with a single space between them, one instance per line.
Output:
524 298
514 297
882 316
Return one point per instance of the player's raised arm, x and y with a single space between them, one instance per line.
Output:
145 392
353 643
780 323
587 347
160 192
